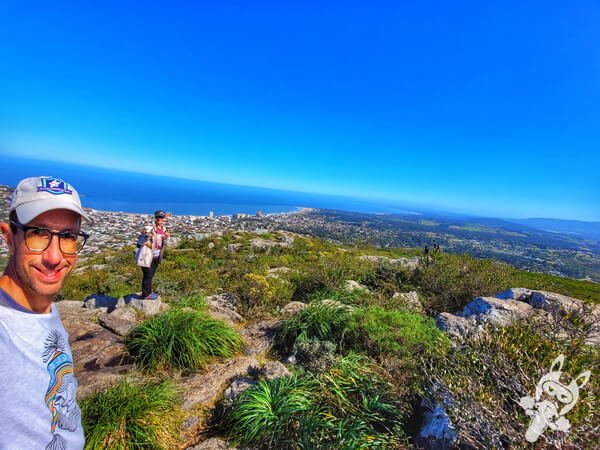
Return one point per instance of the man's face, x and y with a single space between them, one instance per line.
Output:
43 273
160 221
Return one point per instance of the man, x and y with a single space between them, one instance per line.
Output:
156 239
38 399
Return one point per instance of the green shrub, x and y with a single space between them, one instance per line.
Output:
487 377
181 340
131 416
404 334
448 282
315 356
267 414
320 321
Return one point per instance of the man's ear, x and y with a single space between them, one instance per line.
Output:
7 234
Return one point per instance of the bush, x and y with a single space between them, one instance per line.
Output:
317 321
181 340
315 356
131 416
448 282
404 334
486 379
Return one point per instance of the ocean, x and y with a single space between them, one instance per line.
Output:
112 190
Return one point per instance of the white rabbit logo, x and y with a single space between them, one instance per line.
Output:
545 413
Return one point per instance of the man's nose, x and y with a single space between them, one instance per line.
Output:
52 255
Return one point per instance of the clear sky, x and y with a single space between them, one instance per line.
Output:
483 107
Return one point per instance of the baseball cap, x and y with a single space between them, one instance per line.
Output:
36 195
160 214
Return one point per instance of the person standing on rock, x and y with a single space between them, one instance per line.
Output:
38 400
156 238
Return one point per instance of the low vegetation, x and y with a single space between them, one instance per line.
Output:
132 416
364 359
181 340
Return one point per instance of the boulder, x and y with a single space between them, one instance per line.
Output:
108 304
213 443
437 431
235 247
496 311
409 300
262 244
103 302
273 370
258 337
120 321
352 285
222 306
99 356
202 389
237 386
292 308
456 326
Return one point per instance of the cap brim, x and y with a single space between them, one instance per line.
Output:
30 210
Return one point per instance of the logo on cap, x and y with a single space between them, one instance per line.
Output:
54 186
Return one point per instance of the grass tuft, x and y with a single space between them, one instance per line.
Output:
324 322
131 416
181 340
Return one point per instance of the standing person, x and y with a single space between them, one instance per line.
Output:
157 240
38 401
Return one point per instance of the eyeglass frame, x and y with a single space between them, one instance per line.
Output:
60 234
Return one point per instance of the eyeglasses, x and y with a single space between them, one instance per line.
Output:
38 239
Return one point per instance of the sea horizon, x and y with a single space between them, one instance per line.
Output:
136 193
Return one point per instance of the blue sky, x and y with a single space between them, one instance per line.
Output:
483 107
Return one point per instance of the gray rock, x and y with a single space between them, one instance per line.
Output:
222 306
237 386
99 356
520 294
212 444
202 389
235 247
496 311
292 308
352 285
409 299
437 431
409 263
258 337
103 302
456 326
262 244
120 321
148 307
273 370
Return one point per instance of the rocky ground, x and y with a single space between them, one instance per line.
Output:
98 325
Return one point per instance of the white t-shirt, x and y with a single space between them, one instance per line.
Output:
38 406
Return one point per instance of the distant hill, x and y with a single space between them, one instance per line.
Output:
586 230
